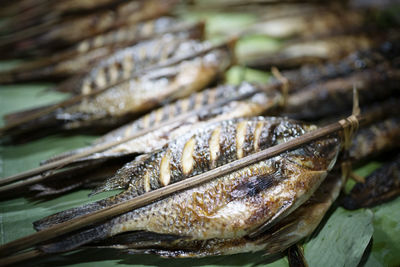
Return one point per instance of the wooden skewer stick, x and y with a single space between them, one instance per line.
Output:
142 200
77 98
64 162
34 253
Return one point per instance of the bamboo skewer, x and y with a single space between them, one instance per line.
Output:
64 162
34 253
77 98
139 201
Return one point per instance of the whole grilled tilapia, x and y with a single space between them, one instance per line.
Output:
231 206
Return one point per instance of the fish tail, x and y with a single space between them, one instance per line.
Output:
77 239
73 213
67 215
20 128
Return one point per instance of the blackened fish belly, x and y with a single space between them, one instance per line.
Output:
231 206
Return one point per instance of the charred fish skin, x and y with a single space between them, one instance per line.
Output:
216 146
228 207
380 186
357 61
330 48
296 226
377 138
335 95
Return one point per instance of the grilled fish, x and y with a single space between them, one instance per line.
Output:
375 139
83 55
65 33
231 206
320 22
380 186
321 50
24 14
301 223
128 99
336 95
244 100
360 60
125 63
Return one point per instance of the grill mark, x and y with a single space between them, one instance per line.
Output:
205 98
187 160
240 137
248 140
191 103
152 118
214 145
267 137
165 170
178 107
165 114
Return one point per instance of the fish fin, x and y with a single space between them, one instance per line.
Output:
282 213
71 85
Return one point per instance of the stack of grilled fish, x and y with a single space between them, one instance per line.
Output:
158 85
